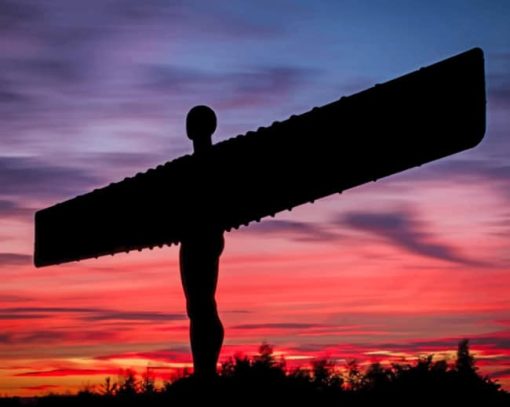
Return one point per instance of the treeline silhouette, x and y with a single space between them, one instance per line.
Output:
265 380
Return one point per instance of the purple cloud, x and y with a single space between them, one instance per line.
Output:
475 169
15 13
500 373
44 337
405 231
300 231
10 208
88 314
56 336
73 89
14 259
27 177
498 83
257 86
492 171
5 338
134 316
13 317
496 341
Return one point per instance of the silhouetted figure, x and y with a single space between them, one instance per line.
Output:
423 116
200 252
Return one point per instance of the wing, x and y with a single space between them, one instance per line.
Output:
420 117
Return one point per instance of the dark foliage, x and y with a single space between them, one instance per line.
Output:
264 380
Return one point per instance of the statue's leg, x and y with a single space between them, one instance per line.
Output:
199 263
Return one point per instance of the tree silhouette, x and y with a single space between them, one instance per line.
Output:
325 375
129 386
465 363
355 378
148 382
265 380
108 388
377 377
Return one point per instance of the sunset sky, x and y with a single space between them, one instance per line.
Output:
93 91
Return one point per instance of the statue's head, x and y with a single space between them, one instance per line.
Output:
200 123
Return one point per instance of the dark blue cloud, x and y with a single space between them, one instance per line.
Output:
72 67
499 92
14 13
9 97
259 85
49 70
213 19
27 177
403 230
498 80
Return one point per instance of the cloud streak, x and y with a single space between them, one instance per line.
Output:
14 259
255 86
295 230
403 230
88 314
74 79
11 209
24 177
69 372
279 325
